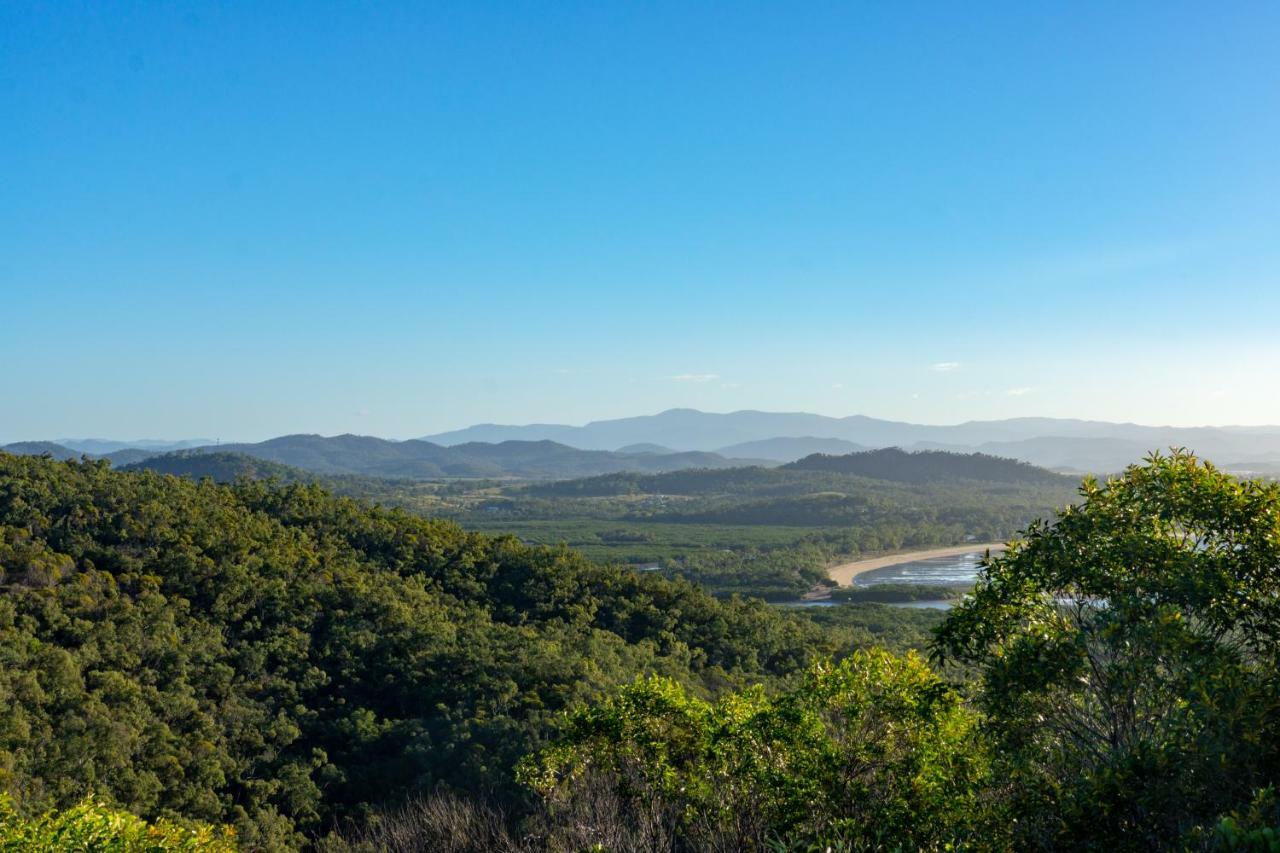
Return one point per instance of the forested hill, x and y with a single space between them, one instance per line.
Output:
40 448
281 659
875 469
221 466
377 457
119 456
927 466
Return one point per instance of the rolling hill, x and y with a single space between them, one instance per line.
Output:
106 447
58 450
1080 445
40 448
221 466
819 473
927 466
785 449
376 457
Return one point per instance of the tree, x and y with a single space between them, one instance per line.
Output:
873 751
1128 656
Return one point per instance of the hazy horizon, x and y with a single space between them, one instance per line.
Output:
232 439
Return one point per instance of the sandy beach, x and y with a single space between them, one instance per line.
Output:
844 573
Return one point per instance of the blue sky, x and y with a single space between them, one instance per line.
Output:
239 220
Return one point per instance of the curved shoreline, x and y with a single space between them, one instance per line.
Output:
844 573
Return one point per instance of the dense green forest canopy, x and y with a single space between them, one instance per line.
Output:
1126 698
291 663
221 466
768 532
277 658
757 531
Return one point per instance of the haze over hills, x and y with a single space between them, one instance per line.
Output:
106 446
784 449
40 448
1073 444
377 457
926 466
59 450
687 438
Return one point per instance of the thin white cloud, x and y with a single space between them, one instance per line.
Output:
1018 392
837 385
696 377
945 366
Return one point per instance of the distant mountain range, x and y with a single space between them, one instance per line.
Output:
1063 443
105 446
686 438
785 449
58 450
377 457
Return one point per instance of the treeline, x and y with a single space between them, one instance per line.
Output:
818 472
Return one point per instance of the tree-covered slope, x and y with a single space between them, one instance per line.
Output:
221 466
278 659
40 448
376 457
925 466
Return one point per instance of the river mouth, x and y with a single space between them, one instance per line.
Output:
954 570
947 572
958 570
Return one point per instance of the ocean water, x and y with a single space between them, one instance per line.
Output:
939 571
956 570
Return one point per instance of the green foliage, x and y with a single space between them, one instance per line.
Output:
875 751
871 626
757 531
271 657
278 659
886 593
92 825
1255 829
753 531
1129 655
220 466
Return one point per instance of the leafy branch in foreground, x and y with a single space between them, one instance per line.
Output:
873 750
93 825
1129 655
